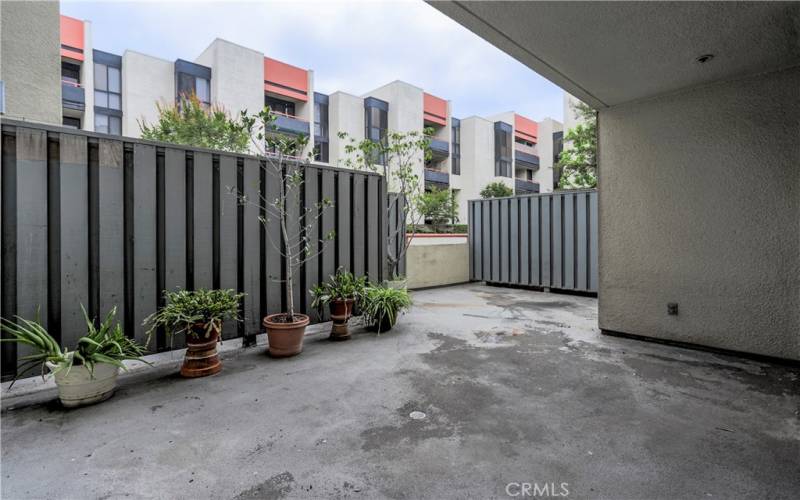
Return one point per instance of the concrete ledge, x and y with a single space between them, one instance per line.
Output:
36 390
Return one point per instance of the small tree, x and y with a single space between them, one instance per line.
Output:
496 190
397 156
189 122
279 160
578 163
439 206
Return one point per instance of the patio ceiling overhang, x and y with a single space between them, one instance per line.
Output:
608 53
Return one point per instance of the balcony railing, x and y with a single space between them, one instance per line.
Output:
73 96
526 160
524 186
440 149
290 124
441 179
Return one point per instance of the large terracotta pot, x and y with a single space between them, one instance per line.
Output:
285 339
201 357
78 387
341 311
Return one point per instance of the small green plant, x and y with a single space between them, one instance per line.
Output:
496 190
341 286
382 306
185 310
104 344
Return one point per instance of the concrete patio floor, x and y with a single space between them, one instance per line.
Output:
517 387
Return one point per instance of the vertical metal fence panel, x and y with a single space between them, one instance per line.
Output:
536 240
203 221
558 221
514 241
374 216
569 241
581 244
311 267
358 227
593 242
344 217
31 196
145 247
251 227
74 235
544 240
524 241
100 221
495 227
174 222
228 230
111 235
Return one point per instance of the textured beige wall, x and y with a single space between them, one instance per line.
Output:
30 60
700 204
146 81
437 264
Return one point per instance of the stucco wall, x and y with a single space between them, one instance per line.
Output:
477 161
30 60
146 80
437 261
345 114
544 176
700 205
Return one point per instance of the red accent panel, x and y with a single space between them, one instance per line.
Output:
72 36
434 108
525 128
286 80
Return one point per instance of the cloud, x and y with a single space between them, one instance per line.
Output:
351 46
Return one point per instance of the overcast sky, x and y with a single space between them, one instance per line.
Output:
351 46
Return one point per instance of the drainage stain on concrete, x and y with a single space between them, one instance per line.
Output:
276 487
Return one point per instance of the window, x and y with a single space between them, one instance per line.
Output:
70 73
320 120
107 124
107 87
321 152
376 118
502 149
70 122
455 156
279 105
194 85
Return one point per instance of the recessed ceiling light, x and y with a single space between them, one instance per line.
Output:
704 58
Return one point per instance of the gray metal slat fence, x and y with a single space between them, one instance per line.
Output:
102 221
539 240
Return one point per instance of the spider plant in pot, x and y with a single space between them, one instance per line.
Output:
299 240
339 293
382 305
85 375
199 315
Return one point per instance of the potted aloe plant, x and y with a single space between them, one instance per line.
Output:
199 315
382 305
339 293
87 374
282 164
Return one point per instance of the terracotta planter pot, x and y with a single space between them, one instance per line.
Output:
201 357
341 311
285 339
79 388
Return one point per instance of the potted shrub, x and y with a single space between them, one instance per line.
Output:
282 165
198 315
87 374
382 305
339 293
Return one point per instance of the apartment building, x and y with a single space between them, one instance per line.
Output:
116 93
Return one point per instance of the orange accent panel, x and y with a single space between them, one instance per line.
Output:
434 108
72 36
279 75
525 128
